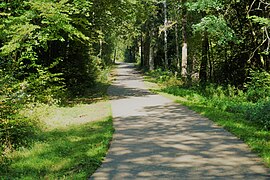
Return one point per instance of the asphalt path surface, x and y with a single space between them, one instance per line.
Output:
156 138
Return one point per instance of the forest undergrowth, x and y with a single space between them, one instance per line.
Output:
60 140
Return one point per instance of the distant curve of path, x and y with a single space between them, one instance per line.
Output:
156 138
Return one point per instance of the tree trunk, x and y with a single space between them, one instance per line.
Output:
146 48
130 54
151 50
114 56
151 58
210 59
177 47
142 49
203 67
165 36
184 38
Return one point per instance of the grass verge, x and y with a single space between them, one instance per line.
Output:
64 151
72 143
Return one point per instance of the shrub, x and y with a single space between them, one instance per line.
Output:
259 86
43 87
166 78
259 114
15 129
210 90
253 103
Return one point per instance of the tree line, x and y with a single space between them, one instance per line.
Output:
207 40
51 49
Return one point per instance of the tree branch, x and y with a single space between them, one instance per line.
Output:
253 53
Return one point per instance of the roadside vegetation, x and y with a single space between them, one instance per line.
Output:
66 152
243 113
55 57
55 60
65 142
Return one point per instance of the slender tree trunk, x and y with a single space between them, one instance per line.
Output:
211 58
203 67
142 49
147 47
177 47
165 36
130 54
135 49
184 38
176 15
151 58
114 56
151 50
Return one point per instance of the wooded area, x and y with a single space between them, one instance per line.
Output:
52 50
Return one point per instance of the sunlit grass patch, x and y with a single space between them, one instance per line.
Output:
71 143
76 115
71 139
71 153
52 117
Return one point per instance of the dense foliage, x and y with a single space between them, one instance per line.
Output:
226 39
224 43
50 50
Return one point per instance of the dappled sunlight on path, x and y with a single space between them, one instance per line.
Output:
156 138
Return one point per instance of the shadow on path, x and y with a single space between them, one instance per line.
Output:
158 139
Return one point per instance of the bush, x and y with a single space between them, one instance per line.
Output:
253 103
259 86
16 132
259 114
15 128
43 87
167 78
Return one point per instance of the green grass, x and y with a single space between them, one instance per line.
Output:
71 153
52 117
72 144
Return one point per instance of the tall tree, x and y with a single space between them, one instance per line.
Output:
165 36
184 39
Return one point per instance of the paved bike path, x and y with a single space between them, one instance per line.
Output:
156 138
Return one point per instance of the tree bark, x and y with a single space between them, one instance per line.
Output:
184 39
147 47
151 50
165 36
142 49
114 56
210 59
177 47
203 67
151 58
